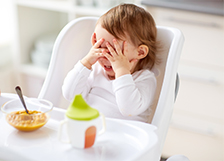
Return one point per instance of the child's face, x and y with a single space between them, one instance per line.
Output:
131 51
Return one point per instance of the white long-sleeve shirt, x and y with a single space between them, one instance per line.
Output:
127 97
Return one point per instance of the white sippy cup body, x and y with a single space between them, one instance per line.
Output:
83 134
83 124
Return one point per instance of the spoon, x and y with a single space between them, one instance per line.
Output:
19 92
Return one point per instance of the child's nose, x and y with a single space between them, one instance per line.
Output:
103 45
103 58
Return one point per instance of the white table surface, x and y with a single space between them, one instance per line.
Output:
123 140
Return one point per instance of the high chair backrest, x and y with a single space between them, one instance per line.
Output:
73 43
171 42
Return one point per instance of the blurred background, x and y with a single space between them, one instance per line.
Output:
28 29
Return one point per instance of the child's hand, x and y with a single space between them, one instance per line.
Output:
95 53
119 61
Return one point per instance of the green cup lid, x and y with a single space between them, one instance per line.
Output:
80 110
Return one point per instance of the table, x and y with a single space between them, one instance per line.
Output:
123 140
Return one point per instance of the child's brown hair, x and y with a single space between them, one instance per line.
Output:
133 22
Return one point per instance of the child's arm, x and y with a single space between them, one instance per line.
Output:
76 81
119 61
95 52
133 97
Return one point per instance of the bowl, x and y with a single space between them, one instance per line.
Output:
38 116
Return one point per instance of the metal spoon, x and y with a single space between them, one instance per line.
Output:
19 92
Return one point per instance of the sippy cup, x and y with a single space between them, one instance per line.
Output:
84 124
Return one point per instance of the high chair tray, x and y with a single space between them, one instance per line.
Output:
123 140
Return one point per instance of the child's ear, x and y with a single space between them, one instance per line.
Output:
93 38
142 51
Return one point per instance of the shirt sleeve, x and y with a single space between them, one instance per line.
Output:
76 82
134 96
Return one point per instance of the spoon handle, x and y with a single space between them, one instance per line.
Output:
19 92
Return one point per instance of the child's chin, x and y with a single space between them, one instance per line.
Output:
111 75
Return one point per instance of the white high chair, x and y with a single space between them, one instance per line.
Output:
73 43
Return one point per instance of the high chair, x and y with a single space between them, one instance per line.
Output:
73 43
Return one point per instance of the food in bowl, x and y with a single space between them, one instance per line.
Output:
17 117
27 122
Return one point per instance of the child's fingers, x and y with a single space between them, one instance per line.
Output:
98 43
111 49
125 49
101 50
117 47
105 50
108 56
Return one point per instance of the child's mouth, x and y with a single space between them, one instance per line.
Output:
108 67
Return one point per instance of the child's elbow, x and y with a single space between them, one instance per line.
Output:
127 112
66 94
124 112
132 110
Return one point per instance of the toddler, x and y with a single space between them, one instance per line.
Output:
115 77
